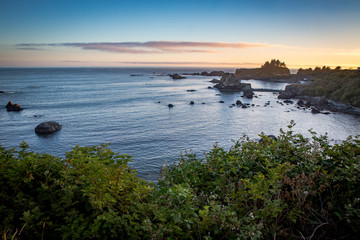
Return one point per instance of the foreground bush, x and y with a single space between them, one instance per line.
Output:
92 193
291 188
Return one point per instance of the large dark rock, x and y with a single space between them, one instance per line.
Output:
300 103
48 127
248 93
176 76
291 91
314 111
13 107
216 73
288 102
2 92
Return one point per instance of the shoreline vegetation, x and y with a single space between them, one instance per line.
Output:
283 187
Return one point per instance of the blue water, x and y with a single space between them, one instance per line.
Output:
107 105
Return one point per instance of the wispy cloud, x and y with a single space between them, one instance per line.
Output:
30 48
148 47
190 63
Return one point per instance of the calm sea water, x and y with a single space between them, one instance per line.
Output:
107 105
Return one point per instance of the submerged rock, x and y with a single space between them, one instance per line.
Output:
48 127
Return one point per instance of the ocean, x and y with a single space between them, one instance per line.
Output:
128 108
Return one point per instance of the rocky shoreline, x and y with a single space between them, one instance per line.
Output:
295 91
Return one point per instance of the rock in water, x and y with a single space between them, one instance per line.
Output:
13 107
248 93
314 111
48 127
176 76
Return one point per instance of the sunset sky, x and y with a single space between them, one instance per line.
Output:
206 33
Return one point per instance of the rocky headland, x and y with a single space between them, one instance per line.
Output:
322 88
316 103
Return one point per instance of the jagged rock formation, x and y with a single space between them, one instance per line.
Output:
292 91
232 83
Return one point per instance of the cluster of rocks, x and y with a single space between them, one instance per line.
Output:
42 128
213 73
316 104
238 103
308 105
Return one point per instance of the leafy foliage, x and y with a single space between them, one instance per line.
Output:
289 188
92 193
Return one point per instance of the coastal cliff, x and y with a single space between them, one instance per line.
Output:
332 89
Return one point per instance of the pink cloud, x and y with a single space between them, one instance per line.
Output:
150 46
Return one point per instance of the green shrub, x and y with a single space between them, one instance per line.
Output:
92 193
290 188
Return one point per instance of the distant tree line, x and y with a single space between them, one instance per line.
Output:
274 64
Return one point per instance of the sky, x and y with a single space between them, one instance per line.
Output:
203 33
